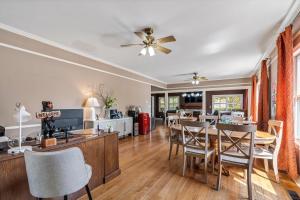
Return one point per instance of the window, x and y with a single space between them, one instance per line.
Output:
173 102
227 102
161 104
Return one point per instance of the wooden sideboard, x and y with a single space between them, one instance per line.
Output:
100 151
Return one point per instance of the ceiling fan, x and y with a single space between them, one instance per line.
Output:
195 77
150 44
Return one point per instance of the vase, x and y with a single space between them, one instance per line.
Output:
107 113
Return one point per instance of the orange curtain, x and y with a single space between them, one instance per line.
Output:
285 102
253 99
263 99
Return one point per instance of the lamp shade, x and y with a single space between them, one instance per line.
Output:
21 114
92 102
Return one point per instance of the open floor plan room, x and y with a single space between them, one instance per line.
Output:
149 100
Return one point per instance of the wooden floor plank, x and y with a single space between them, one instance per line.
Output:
147 174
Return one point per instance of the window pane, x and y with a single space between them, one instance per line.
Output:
173 102
230 99
219 99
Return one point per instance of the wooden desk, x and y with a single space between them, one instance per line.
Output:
100 151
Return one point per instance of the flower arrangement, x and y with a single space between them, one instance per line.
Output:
106 96
109 101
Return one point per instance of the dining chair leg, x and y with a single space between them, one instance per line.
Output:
88 192
245 174
266 164
275 168
205 169
66 197
219 176
184 164
192 162
213 162
170 151
177 148
249 184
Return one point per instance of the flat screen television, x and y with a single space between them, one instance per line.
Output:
69 119
192 97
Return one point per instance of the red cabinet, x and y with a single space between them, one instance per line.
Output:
144 123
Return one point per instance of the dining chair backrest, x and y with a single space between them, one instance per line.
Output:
237 114
247 134
195 131
173 120
213 119
275 127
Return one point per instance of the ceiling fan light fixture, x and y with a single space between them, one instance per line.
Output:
143 51
197 82
193 82
151 51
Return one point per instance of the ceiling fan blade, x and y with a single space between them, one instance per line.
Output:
170 38
185 74
203 78
129 45
163 49
140 35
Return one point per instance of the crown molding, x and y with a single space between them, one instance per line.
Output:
72 50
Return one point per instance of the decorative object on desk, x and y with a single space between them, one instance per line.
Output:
89 110
20 116
110 128
47 116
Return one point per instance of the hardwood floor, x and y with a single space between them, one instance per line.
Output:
148 174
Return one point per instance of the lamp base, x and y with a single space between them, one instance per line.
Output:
17 150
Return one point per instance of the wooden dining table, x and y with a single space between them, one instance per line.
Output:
261 137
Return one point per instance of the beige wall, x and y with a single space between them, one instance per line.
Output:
31 78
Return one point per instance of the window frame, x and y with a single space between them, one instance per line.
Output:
227 96
161 108
174 105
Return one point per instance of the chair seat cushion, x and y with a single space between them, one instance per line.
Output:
235 157
190 150
234 160
262 153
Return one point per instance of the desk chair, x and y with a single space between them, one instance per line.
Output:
57 173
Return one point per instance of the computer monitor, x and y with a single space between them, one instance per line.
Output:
71 119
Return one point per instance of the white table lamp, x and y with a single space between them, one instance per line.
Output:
20 116
90 113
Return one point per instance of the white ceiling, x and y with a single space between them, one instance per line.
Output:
220 39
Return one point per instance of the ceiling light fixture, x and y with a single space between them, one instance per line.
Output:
143 51
151 51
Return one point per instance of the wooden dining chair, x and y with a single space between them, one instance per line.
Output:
172 119
213 119
195 145
230 156
174 138
270 147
